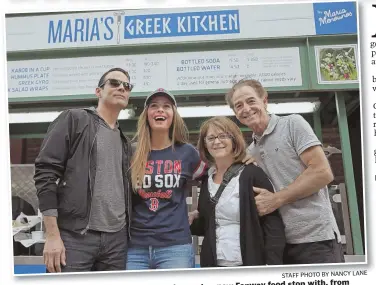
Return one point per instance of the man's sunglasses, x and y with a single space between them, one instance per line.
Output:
116 83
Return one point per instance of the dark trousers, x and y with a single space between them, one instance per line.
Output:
327 251
94 251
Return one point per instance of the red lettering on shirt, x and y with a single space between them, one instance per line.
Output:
177 166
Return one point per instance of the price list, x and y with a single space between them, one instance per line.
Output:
130 65
173 71
220 69
152 73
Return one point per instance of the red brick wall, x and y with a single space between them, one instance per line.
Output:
33 147
16 148
24 151
331 137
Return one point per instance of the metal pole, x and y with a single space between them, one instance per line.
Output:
349 174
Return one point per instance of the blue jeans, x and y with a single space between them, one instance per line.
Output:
168 257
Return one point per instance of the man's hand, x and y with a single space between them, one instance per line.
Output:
54 253
249 159
192 216
266 201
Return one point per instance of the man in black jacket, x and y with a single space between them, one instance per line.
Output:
82 184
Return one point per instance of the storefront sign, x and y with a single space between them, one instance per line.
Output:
135 27
182 24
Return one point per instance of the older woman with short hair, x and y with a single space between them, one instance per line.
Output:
234 233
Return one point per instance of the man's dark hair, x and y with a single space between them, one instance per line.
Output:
111 70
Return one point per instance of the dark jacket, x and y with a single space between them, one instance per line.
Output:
66 166
262 239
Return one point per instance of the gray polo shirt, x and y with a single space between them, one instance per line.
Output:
278 152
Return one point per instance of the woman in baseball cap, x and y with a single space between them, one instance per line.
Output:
160 92
162 164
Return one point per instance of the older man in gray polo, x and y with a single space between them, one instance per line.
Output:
287 149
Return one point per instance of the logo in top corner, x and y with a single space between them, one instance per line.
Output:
335 18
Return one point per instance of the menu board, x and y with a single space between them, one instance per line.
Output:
184 71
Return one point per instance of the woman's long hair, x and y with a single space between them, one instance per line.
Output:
178 134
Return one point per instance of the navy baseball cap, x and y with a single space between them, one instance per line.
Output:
160 91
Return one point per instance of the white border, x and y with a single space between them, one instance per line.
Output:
177 278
